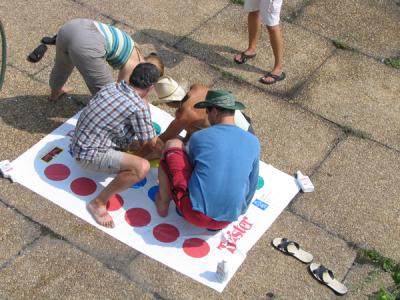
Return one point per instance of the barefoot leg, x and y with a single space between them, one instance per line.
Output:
98 210
56 94
162 197
162 205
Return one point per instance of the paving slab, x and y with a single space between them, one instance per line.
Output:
291 138
365 280
26 23
265 270
26 114
166 20
292 7
358 92
53 269
16 232
304 51
357 195
368 25
85 236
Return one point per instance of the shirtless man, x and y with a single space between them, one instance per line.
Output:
186 116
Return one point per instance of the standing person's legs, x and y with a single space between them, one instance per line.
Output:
132 169
253 27
271 10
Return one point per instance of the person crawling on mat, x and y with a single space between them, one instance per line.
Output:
186 116
213 182
114 117
89 46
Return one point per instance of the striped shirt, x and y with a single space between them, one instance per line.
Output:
119 44
114 117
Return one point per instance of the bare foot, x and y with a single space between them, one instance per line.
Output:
162 206
56 94
99 212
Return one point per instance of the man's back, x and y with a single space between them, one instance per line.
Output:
225 174
114 116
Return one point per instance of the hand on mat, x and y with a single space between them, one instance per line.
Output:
325 276
293 249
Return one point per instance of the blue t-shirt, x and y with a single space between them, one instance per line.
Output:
225 162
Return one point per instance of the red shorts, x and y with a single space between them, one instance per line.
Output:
178 169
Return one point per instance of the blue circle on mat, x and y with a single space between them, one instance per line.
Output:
152 192
139 184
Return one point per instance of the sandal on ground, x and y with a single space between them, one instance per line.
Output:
326 277
38 53
49 40
273 76
244 58
292 248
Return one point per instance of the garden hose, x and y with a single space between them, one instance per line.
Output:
3 55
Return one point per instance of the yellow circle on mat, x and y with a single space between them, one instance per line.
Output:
154 163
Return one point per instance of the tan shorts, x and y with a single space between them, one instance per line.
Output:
109 162
270 10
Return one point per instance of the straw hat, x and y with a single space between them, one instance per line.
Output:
169 90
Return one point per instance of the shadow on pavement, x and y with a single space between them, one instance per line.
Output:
36 114
211 54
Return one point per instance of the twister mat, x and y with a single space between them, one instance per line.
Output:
49 170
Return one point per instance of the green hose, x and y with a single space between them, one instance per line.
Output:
3 55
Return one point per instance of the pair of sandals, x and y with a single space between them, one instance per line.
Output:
37 54
320 272
243 58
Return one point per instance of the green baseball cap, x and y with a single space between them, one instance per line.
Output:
219 98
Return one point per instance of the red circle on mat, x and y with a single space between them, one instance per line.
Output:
115 203
57 172
137 217
83 186
166 233
196 247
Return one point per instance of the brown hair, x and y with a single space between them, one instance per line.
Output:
154 59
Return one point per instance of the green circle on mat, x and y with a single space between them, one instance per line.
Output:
157 128
260 182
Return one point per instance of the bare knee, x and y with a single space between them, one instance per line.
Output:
143 168
273 29
138 166
174 143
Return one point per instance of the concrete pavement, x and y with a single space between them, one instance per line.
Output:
335 117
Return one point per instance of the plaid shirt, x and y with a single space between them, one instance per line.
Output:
114 117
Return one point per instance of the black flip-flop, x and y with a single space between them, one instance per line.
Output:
273 76
244 58
49 40
38 53
325 276
292 248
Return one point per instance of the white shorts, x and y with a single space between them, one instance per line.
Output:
270 10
